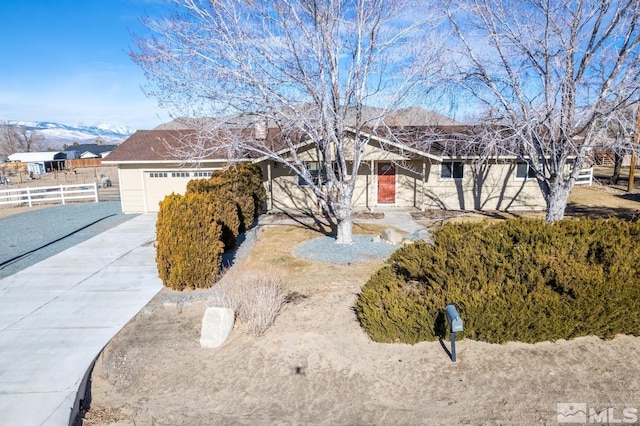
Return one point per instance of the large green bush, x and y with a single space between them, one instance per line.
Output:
224 208
516 280
239 186
189 247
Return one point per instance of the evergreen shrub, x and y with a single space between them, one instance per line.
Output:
239 185
224 208
189 247
516 280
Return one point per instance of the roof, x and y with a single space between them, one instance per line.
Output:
436 142
35 157
91 147
189 146
150 145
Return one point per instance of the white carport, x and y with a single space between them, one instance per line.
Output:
41 162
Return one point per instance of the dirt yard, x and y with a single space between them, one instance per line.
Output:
315 365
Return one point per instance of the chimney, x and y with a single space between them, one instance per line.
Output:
260 130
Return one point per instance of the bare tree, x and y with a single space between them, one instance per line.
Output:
305 67
617 136
17 138
548 73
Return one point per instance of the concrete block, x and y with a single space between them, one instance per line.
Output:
217 324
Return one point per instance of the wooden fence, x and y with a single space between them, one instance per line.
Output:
83 162
49 194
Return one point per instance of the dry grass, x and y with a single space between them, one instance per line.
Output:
257 301
272 276
274 252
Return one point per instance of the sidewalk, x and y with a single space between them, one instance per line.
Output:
397 217
56 316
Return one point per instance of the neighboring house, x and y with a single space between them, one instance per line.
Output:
71 154
422 170
89 150
40 162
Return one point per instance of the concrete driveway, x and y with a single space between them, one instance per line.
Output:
57 315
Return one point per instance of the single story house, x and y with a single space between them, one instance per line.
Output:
421 169
89 150
40 162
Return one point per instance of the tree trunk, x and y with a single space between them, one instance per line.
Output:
557 201
345 231
617 167
343 213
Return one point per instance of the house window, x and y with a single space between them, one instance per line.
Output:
180 174
317 171
201 174
452 170
523 171
158 174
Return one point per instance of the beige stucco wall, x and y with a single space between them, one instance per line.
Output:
487 186
418 184
283 192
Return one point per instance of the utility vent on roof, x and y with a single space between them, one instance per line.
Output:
260 130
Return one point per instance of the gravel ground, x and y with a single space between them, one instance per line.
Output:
365 248
30 237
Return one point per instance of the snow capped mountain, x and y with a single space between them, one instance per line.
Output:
55 135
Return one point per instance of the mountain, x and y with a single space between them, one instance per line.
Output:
55 135
412 116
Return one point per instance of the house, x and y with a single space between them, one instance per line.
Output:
150 166
40 162
423 169
90 150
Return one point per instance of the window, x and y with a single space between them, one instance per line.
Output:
180 174
158 174
201 174
452 170
523 171
316 170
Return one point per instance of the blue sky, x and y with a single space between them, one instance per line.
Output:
67 61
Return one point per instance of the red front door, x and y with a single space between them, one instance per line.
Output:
386 183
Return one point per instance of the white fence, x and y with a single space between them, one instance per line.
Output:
50 194
585 177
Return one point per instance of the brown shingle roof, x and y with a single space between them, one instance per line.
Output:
150 145
184 145
440 141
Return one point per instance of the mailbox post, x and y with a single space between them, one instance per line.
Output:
455 325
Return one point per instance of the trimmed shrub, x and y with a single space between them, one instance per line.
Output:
240 186
250 178
392 310
517 280
189 249
224 208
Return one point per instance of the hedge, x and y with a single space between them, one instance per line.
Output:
516 280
